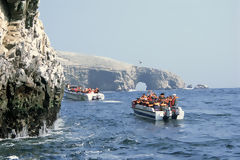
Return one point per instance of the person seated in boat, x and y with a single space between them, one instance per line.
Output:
90 90
144 97
138 101
153 96
163 104
170 101
85 90
144 100
174 100
79 89
161 98
166 101
96 90
75 89
150 101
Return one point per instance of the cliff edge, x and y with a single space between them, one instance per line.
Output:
112 75
31 79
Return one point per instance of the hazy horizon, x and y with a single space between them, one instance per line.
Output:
197 40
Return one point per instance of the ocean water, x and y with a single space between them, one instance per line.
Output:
109 130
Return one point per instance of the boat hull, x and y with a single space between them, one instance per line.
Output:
151 113
84 96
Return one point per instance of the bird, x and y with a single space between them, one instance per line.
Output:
140 62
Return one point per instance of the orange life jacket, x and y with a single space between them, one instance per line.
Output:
150 99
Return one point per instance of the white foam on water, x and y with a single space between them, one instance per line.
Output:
132 90
112 101
93 152
58 124
13 157
23 133
43 130
56 128
8 144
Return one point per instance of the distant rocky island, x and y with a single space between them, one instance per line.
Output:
112 75
31 79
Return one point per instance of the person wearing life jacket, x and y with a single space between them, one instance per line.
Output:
170 101
144 97
85 90
155 96
96 90
167 101
90 90
138 101
79 89
75 89
150 101
161 97
174 100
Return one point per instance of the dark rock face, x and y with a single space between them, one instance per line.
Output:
22 9
114 75
31 79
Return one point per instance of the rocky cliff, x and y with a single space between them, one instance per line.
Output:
109 74
31 79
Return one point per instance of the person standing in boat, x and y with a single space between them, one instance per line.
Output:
68 87
174 100
161 98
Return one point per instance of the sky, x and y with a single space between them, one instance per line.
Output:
199 40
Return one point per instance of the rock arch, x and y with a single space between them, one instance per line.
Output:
141 86
157 79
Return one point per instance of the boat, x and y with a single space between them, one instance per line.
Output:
189 87
83 96
201 86
155 113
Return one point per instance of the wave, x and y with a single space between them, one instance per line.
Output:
129 141
13 157
43 132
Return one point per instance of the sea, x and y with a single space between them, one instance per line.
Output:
109 130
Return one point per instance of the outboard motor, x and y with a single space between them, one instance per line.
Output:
175 112
166 113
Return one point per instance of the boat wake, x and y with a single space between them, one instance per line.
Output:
111 101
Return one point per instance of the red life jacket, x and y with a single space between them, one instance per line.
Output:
173 101
170 103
